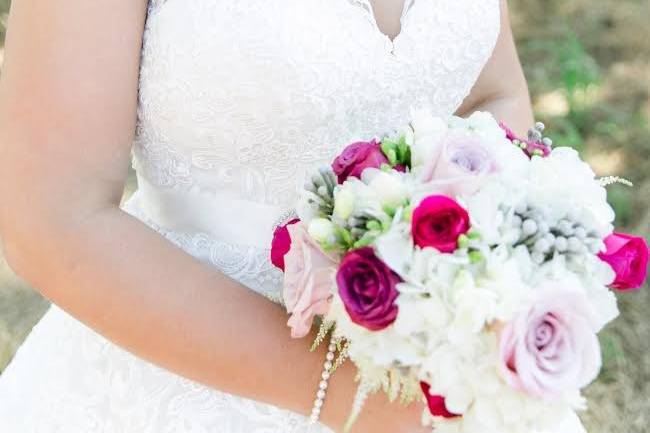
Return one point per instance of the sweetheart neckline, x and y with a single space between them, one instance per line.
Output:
391 43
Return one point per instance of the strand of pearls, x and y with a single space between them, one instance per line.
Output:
322 385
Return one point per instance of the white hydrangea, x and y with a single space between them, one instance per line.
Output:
562 184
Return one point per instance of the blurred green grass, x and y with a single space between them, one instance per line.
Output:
588 66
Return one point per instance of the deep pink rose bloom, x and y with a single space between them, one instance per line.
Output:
308 280
551 347
367 288
438 222
436 403
628 257
357 157
280 244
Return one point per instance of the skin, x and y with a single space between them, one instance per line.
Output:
68 100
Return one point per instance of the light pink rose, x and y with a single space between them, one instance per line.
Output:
551 347
460 165
308 280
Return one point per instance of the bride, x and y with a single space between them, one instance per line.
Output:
163 319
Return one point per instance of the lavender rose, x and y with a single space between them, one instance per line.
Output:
368 290
357 157
552 347
460 165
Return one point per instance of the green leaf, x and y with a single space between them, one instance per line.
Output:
475 256
373 225
390 211
392 156
367 239
345 236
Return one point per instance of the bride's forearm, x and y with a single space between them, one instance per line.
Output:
125 281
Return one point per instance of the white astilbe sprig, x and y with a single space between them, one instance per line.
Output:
365 388
610 180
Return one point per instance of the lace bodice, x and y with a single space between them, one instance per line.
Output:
238 99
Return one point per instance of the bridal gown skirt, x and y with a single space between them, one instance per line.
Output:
66 378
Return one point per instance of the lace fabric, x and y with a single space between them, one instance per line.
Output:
238 100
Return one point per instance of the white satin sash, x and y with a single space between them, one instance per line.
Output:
229 219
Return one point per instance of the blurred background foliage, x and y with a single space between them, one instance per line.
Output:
588 66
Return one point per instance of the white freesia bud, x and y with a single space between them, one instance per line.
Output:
389 188
343 203
321 229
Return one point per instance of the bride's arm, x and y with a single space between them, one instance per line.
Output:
68 98
501 88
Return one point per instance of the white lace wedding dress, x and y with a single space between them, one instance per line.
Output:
237 100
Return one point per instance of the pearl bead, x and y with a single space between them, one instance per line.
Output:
325 375
320 394
318 404
323 385
330 356
332 347
328 365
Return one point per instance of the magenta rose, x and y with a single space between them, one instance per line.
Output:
438 222
357 157
551 347
436 403
281 244
367 288
628 257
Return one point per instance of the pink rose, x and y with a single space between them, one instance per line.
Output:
461 164
280 244
628 257
308 280
367 287
438 222
436 403
357 157
551 347
531 148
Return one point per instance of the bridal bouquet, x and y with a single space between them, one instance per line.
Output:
455 263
